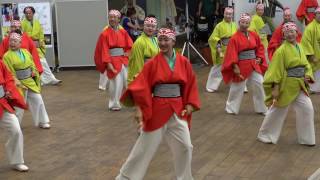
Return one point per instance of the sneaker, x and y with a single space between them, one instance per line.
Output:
44 125
55 82
115 109
20 167
101 88
211 91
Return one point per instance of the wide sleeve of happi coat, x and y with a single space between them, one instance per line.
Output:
4 46
260 52
139 92
302 10
213 41
100 66
129 42
105 55
275 42
307 40
230 58
190 90
136 60
35 55
274 75
16 99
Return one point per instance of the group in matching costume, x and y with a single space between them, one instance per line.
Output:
162 86
151 76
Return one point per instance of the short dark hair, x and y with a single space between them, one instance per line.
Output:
16 17
130 12
29 7
151 15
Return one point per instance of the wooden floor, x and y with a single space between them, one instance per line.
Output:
88 142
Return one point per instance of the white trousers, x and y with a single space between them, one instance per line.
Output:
14 145
36 107
177 135
214 78
117 85
272 124
315 87
103 81
47 76
255 80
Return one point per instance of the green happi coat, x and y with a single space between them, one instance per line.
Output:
311 42
35 31
286 56
223 30
143 48
257 25
15 62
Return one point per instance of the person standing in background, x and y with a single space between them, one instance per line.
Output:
144 48
129 4
111 55
277 36
244 61
311 46
10 97
33 28
218 43
210 10
306 10
270 11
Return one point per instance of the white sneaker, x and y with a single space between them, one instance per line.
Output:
115 109
44 125
211 90
101 88
55 82
20 167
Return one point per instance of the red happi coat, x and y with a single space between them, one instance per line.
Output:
26 43
240 42
109 39
277 39
8 83
157 111
302 10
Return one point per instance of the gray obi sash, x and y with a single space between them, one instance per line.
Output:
311 9
167 90
264 30
24 73
36 43
116 52
248 54
2 92
225 41
297 71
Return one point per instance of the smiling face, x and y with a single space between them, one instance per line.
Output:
165 43
290 35
149 29
287 18
29 14
114 20
260 12
228 16
244 25
14 44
